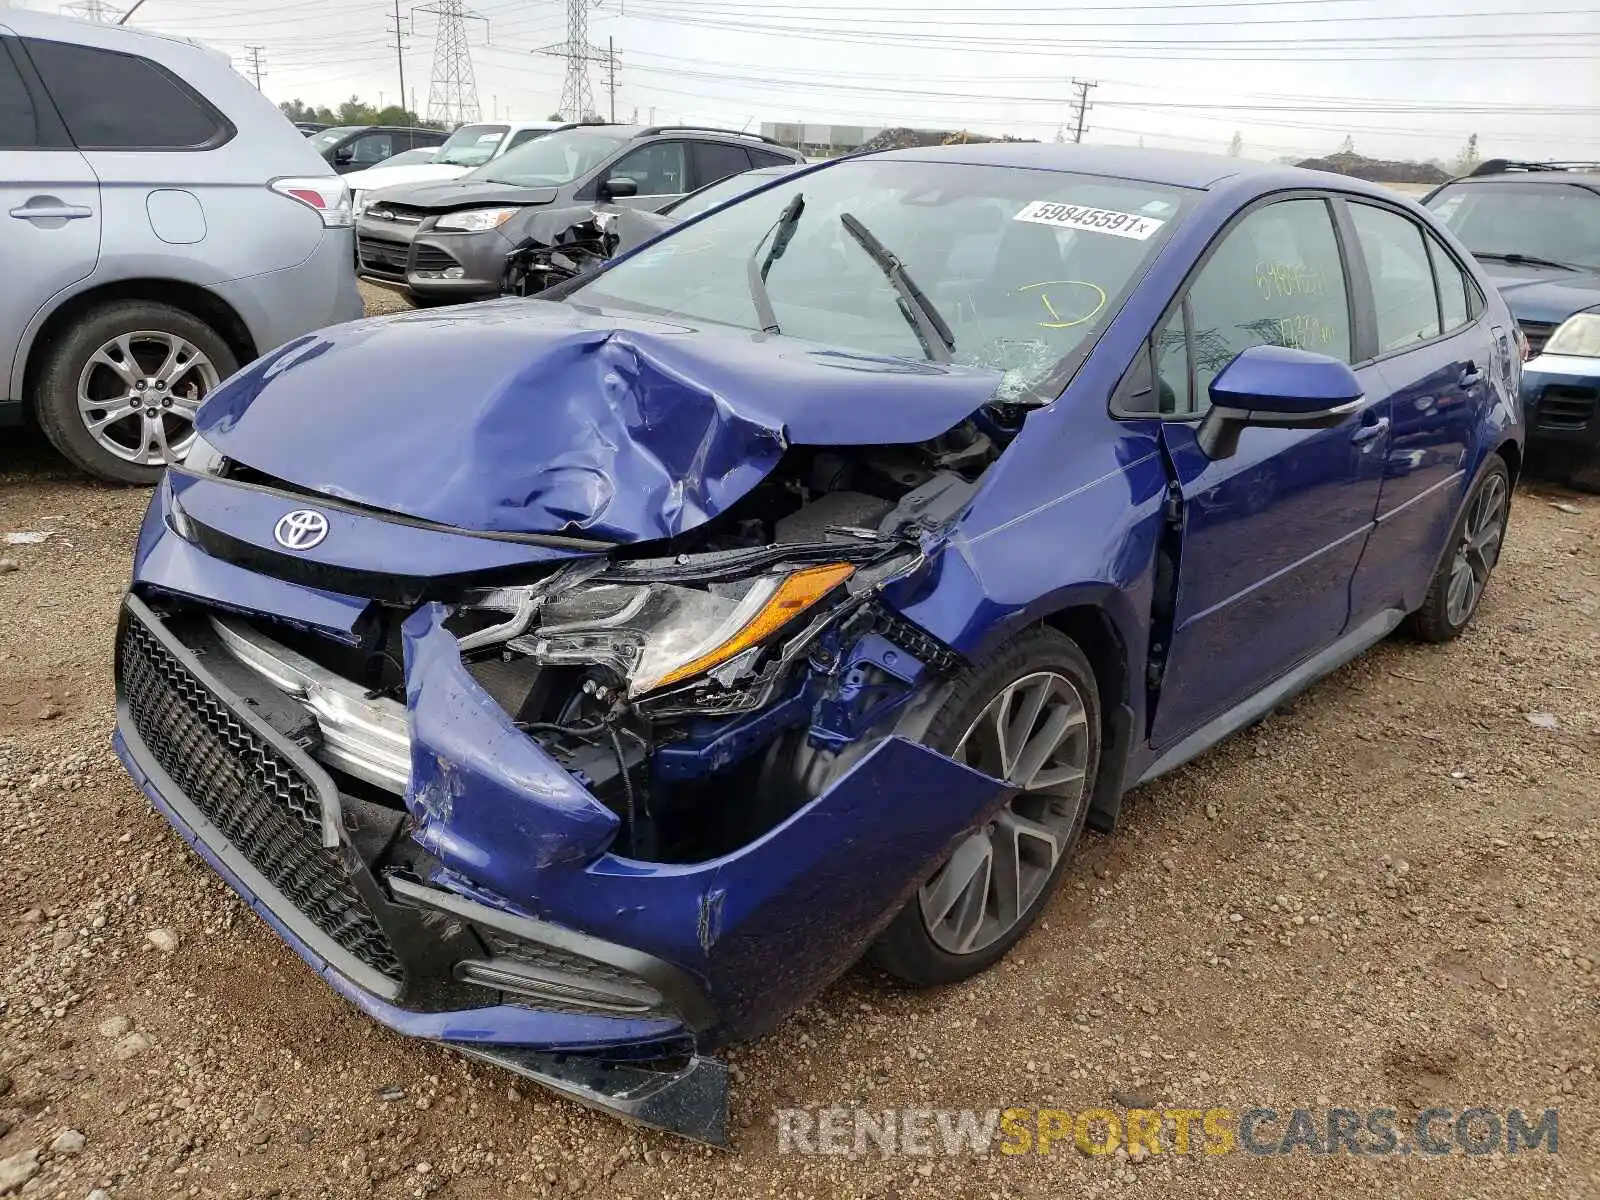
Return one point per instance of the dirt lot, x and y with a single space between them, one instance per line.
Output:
1386 896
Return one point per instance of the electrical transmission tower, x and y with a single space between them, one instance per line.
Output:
453 94
255 64
93 10
577 98
1081 105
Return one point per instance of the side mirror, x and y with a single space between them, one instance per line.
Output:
344 154
1277 386
616 189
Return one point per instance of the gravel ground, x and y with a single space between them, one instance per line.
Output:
1384 896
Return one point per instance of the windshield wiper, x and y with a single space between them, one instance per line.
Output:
780 233
1523 260
932 329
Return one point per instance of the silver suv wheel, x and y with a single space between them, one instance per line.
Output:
137 395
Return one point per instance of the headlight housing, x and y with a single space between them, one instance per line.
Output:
1578 336
658 634
358 202
474 220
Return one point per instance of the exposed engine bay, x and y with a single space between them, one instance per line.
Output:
694 686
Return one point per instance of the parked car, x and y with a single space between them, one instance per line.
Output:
1536 229
309 127
152 247
451 240
399 169
604 674
468 147
350 148
598 233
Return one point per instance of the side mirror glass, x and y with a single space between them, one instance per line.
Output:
616 189
1277 386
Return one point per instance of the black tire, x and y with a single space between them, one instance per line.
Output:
55 399
1434 621
906 949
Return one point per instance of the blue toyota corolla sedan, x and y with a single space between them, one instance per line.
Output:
586 681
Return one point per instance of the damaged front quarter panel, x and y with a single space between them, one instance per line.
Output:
483 795
761 927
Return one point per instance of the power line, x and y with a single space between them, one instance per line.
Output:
577 98
1081 105
256 72
399 51
453 92
93 10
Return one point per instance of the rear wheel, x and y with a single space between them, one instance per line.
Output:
1031 718
1459 584
119 390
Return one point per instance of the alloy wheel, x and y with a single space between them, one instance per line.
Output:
1477 551
138 393
1034 735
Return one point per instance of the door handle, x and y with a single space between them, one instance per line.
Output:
52 212
1370 433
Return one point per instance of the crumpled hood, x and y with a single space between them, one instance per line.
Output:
446 194
1545 294
528 416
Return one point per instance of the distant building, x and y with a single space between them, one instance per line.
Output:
819 140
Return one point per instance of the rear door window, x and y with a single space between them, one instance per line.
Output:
717 160
19 124
1403 294
113 101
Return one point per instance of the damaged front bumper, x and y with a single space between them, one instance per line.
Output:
489 909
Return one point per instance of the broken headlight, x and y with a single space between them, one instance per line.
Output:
657 634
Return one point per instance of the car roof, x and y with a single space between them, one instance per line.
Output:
1590 178
1177 168
134 39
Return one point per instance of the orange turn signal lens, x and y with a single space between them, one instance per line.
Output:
792 597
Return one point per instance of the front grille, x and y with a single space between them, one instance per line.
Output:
250 792
1566 406
1537 334
380 254
431 258
398 214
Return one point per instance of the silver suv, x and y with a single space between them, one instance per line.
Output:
161 223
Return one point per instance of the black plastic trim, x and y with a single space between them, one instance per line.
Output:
675 984
282 908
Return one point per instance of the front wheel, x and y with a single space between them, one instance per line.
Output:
1032 718
1475 542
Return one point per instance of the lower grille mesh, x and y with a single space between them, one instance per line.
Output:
254 796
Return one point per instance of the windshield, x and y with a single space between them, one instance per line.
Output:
321 141
471 145
1023 267
550 161
719 193
1555 221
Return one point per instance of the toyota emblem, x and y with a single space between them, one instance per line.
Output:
301 529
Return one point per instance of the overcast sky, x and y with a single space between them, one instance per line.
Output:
1292 76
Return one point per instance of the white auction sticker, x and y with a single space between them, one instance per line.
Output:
1095 220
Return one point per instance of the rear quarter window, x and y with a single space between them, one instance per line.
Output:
114 101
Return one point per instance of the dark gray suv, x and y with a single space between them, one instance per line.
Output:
450 240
